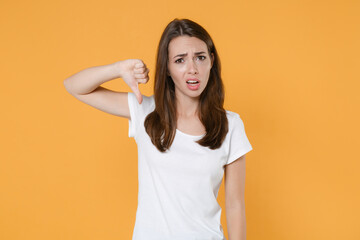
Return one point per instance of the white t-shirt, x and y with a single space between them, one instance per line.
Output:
177 198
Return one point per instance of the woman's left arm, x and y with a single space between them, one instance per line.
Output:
234 199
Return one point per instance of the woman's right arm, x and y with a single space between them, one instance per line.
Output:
85 85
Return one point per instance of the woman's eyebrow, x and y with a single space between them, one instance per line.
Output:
185 54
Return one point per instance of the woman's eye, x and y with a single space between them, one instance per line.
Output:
179 60
202 57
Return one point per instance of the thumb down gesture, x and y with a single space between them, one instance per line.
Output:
133 72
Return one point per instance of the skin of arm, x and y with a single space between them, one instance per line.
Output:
85 85
89 79
234 199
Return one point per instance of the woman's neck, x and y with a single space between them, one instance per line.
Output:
187 107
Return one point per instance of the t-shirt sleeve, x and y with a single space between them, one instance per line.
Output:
239 143
138 112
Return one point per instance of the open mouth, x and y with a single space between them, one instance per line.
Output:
192 82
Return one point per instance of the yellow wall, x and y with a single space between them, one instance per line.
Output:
291 70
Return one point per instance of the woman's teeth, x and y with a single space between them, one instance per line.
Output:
192 82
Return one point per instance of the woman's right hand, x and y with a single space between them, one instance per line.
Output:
133 72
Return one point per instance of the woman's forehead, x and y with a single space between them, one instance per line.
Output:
186 45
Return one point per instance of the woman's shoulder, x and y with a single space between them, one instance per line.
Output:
233 118
146 99
231 115
147 104
149 99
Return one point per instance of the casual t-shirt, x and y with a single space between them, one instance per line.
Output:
177 198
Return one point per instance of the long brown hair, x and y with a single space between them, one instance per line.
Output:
161 124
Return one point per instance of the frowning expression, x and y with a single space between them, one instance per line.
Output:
189 65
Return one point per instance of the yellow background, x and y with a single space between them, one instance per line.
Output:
290 68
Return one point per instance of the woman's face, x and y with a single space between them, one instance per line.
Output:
189 65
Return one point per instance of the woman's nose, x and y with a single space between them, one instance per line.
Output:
192 67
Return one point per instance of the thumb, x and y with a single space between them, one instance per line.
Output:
137 93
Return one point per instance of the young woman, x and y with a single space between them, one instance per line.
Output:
186 139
